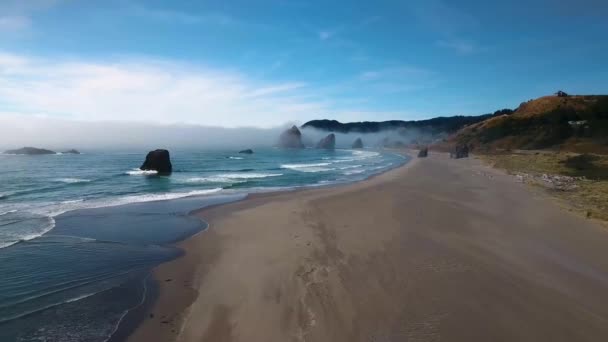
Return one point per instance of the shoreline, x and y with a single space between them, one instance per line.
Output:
423 251
136 317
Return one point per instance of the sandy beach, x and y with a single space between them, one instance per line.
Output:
436 250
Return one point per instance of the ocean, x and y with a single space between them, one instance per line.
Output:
79 234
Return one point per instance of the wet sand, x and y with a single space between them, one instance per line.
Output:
437 250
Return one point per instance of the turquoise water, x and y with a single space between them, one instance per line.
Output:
79 233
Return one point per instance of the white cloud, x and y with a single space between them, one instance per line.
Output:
148 90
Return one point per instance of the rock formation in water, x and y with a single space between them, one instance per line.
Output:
423 153
291 138
247 151
328 143
358 143
30 151
71 151
158 160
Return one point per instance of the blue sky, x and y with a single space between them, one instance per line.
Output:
264 63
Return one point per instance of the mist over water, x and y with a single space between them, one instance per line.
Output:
60 135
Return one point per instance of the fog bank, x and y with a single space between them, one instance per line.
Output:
59 135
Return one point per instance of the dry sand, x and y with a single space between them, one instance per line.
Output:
438 250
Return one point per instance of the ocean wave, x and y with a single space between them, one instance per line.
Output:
8 238
231 177
158 197
8 212
236 158
138 172
350 167
302 166
48 212
313 167
72 180
352 172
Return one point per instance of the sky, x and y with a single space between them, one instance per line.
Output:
268 63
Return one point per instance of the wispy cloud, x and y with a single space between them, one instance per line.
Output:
398 79
148 90
14 23
16 15
162 91
174 16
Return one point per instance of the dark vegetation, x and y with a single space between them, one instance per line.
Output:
549 122
432 126
586 165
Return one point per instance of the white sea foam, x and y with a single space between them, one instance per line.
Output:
231 177
138 172
7 212
350 167
250 175
72 180
51 210
236 158
313 167
8 238
353 172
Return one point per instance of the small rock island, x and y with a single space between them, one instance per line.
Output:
30 151
159 161
291 138
328 143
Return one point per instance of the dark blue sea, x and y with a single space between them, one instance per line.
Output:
79 234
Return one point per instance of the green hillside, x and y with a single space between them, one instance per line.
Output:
571 123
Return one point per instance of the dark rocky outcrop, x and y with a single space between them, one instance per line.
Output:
460 151
158 160
291 138
328 143
247 151
358 143
30 151
71 151
423 153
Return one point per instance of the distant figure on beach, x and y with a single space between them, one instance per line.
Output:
423 153
460 151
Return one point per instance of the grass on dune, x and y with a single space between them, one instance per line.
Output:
590 196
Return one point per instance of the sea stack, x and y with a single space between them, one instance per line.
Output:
328 143
247 151
358 143
71 151
291 138
159 161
